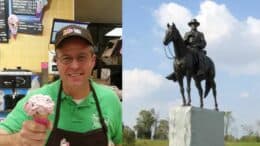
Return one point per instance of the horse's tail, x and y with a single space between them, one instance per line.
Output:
208 86
210 83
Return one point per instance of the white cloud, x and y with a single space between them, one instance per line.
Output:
157 50
140 83
216 21
171 12
253 25
231 43
244 94
145 89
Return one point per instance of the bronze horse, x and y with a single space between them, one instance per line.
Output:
185 65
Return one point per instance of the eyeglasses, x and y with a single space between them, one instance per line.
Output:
68 59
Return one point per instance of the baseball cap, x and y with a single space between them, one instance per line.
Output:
71 31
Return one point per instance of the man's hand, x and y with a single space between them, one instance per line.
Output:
32 134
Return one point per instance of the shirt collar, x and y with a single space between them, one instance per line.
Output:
88 100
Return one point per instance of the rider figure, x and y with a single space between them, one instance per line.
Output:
195 42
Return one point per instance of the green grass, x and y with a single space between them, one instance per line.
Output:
166 143
152 143
243 144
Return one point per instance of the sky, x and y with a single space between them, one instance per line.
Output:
232 31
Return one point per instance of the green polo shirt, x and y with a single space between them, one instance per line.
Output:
80 117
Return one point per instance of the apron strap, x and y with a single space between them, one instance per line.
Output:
57 113
101 118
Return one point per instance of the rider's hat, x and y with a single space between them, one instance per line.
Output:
194 21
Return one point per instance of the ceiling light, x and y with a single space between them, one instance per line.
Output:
116 32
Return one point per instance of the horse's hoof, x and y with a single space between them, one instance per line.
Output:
217 109
201 106
188 104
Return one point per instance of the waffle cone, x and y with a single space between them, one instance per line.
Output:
40 116
41 119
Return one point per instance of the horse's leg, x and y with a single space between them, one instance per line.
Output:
182 90
214 94
198 85
188 89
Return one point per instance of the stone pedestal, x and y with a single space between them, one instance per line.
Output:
192 126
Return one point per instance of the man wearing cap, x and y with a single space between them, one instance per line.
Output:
195 42
86 113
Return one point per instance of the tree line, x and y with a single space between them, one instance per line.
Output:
149 126
251 132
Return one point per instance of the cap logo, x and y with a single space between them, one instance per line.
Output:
71 30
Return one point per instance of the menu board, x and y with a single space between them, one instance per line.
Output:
30 27
24 7
25 10
3 22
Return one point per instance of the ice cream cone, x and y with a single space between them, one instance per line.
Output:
41 119
39 107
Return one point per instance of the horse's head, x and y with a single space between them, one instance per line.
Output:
170 33
173 34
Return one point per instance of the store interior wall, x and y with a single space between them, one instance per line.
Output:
99 11
28 51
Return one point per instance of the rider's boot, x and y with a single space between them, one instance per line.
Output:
172 76
201 70
200 74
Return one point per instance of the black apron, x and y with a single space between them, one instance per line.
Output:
96 137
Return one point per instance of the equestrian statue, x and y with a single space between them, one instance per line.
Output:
191 61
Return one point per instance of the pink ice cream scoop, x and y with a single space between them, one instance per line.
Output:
13 23
39 107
